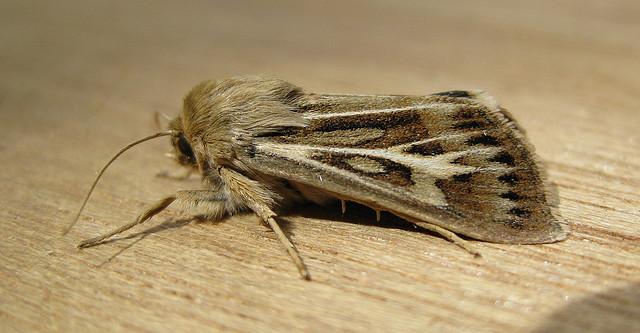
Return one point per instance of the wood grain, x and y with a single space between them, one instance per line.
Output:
82 78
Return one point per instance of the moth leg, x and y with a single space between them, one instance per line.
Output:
449 235
260 200
269 216
202 198
149 213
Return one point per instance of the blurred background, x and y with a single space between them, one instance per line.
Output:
519 47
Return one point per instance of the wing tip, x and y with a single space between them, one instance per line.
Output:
557 232
560 232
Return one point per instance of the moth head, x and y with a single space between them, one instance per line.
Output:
183 151
202 139
219 119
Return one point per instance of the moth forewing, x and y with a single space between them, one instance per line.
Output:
455 160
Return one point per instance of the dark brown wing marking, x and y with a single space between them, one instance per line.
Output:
364 131
370 167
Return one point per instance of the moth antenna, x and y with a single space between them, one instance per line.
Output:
95 182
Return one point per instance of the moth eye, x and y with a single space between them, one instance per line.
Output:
185 148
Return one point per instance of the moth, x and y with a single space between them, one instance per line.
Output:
454 162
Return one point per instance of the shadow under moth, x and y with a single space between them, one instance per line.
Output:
454 162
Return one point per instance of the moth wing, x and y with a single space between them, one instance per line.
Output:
454 159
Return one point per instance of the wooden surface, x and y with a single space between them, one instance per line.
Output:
80 79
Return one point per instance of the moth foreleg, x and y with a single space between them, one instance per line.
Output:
146 215
449 235
206 200
260 200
